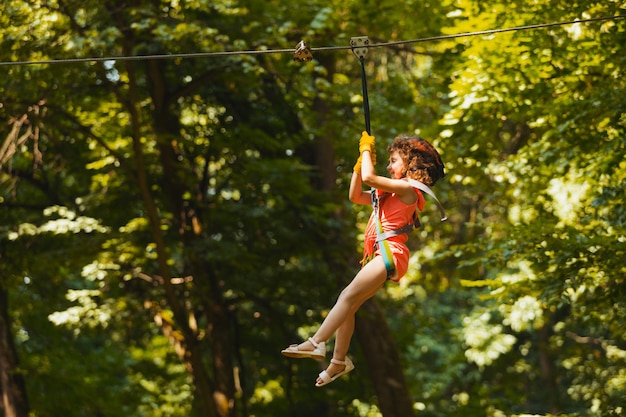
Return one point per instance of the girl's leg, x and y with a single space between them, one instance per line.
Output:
343 337
346 328
364 285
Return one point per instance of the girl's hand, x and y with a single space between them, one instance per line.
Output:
367 143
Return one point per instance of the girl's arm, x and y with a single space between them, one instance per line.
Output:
403 189
357 195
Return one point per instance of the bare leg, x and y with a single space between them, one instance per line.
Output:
364 285
346 329
342 316
343 337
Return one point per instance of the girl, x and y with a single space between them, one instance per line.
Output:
395 202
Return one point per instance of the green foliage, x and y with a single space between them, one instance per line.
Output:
556 150
513 307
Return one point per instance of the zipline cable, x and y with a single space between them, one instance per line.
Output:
318 49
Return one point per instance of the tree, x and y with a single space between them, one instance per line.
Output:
12 388
168 223
182 178
538 124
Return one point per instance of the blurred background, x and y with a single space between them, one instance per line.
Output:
169 223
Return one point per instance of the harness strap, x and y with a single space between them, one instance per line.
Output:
385 250
382 236
405 229
423 187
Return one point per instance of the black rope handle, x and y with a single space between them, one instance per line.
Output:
366 103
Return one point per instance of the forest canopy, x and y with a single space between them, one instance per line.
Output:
169 223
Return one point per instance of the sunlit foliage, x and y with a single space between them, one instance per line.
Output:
168 225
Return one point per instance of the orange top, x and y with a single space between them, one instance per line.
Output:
394 214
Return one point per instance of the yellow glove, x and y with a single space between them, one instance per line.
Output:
373 156
357 166
367 143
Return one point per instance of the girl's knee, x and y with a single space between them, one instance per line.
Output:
348 296
353 297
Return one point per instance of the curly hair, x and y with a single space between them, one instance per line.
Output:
422 161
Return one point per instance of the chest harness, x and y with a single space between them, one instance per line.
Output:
382 236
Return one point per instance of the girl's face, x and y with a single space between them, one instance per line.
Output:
396 165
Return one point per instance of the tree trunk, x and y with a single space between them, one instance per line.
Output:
222 348
12 387
383 361
214 394
550 394
205 405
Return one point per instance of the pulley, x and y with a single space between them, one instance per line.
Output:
302 53
360 46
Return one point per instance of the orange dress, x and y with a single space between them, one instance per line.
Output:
394 214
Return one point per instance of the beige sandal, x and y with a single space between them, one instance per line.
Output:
319 353
327 379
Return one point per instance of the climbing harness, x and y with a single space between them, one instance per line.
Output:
382 236
360 46
415 223
381 241
425 188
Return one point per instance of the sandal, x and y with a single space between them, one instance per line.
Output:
327 379
319 353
